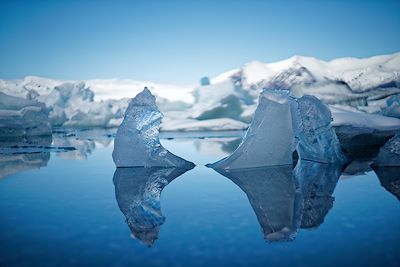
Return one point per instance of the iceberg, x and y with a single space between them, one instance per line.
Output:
389 153
21 117
138 192
137 143
281 125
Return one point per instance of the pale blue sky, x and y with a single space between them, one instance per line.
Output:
180 41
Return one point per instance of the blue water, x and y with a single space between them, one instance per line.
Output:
66 214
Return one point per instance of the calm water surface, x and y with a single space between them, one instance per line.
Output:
77 210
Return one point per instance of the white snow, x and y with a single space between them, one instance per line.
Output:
369 84
342 117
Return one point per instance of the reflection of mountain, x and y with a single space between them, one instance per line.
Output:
138 192
389 178
10 164
285 199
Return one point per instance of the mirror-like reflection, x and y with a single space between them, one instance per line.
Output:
138 192
286 199
10 164
274 197
389 178
23 153
317 182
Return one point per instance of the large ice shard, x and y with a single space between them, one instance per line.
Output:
315 138
138 192
281 125
389 153
137 143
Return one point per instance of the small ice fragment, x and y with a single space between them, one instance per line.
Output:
137 143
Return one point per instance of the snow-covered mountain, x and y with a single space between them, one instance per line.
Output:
359 74
369 85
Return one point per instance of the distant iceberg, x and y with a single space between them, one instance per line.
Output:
21 117
137 143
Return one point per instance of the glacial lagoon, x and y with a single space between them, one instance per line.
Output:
65 204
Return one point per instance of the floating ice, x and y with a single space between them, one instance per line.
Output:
138 192
389 153
315 138
136 143
20 117
282 124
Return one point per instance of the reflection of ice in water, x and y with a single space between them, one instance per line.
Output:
82 142
389 178
217 146
10 164
23 153
82 147
138 192
285 199
317 182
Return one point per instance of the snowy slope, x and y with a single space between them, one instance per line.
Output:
103 89
360 74
369 85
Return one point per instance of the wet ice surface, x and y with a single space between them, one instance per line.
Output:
72 212
137 143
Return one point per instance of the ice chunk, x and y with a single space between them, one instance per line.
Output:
389 153
137 143
392 108
268 141
282 124
316 140
20 117
138 192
